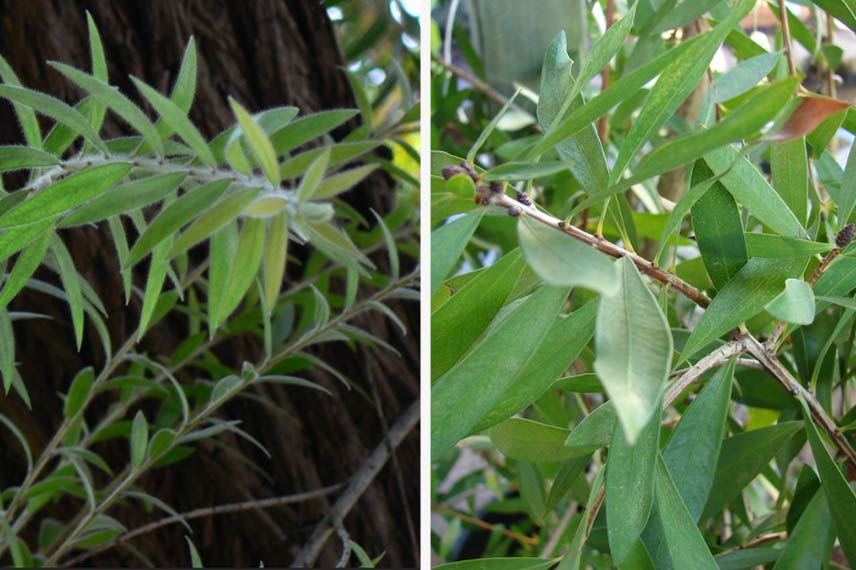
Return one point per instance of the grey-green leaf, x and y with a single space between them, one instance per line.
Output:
139 439
448 242
795 304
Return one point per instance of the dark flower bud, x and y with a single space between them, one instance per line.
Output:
523 198
468 168
514 211
496 187
845 236
450 171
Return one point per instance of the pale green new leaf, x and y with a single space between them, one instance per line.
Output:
795 304
312 177
245 265
276 249
71 284
633 344
259 143
139 439
213 219
345 180
14 157
307 128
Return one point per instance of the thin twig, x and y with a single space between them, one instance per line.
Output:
532 541
786 37
604 83
358 485
693 373
742 362
206 512
346 546
477 84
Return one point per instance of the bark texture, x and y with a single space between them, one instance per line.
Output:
264 53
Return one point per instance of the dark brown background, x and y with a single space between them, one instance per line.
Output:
264 53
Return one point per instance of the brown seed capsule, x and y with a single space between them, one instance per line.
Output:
514 211
496 187
523 198
452 170
845 236
468 168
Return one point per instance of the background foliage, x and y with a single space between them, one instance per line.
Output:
690 404
204 229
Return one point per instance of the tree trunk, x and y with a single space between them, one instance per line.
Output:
264 53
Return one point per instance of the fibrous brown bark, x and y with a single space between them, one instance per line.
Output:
263 53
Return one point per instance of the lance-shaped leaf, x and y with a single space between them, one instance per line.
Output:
65 194
312 177
810 112
71 284
246 264
839 494
560 259
112 98
466 392
259 143
224 245
338 183
29 122
595 431
789 165
633 344
340 153
309 127
743 76
630 485
139 439
13 157
25 266
213 219
811 540
528 440
746 295
274 260
178 122
448 242
154 284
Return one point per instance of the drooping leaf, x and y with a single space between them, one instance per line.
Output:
465 393
25 113
633 344
562 260
71 284
26 264
810 112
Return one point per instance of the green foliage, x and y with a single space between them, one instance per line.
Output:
201 230
648 415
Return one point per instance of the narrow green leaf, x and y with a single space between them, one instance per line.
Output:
719 230
338 183
312 178
195 560
630 484
139 439
527 440
811 540
174 216
604 49
99 68
154 284
514 171
161 442
595 431
843 10
71 284
13 157
683 207
26 264
769 245
789 165
673 86
213 219
447 243
65 194
307 128
340 153
259 143
26 116
245 265
276 249
184 88
80 388
568 474
476 147
758 283
633 344
7 351
839 494
177 120
521 563
686 546
457 324
14 240
125 198
466 392
560 259
741 458
564 342
335 244
743 76
112 98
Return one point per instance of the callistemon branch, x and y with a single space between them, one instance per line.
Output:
744 340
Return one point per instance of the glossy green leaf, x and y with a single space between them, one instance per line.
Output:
457 324
741 458
759 282
686 546
177 120
213 219
71 284
812 538
13 157
514 171
562 345
139 439
65 194
633 344
769 245
338 183
789 165
750 188
630 484
462 396
684 206
112 98
673 86
125 198
448 242
174 216
594 431
560 259
312 178
528 440
276 250
26 264
839 494
795 304
259 143
719 230
245 265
